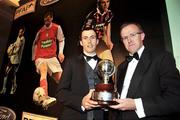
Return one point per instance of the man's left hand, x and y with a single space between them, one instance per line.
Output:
61 57
124 104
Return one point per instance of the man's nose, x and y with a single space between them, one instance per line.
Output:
129 39
89 40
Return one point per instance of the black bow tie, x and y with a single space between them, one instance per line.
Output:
88 58
129 57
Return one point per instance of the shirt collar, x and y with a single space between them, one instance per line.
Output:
139 51
48 27
99 12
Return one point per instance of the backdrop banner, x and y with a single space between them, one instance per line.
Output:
25 9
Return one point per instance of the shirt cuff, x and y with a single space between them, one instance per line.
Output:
139 108
82 108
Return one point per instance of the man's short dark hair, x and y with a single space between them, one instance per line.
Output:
87 28
49 13
131 23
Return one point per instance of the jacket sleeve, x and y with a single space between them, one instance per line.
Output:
64 92
167 101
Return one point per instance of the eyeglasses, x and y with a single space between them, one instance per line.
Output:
93 37
130 36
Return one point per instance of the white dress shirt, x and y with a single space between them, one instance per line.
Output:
127 80
91 62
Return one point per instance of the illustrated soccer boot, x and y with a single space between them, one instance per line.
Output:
49 101
39 96
42 99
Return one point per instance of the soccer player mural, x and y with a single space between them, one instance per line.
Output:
100 20
44 51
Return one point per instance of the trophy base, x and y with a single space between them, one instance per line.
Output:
106 103
104 98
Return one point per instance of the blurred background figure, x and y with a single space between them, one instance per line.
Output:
14 52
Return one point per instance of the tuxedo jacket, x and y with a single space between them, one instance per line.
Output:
72 88
157 82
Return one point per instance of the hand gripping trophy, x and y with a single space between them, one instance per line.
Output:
104 92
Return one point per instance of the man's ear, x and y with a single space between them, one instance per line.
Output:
81 42
142 36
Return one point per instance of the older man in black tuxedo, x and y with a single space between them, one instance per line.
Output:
148 81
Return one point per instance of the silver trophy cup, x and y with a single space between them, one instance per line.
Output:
104 92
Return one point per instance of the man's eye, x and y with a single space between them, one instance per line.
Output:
132 35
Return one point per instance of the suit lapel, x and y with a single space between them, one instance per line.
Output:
142 65
82 68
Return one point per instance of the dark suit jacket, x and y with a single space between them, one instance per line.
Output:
157 81
72 88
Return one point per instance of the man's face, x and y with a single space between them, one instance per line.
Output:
48 20
132 38
104 5
89 41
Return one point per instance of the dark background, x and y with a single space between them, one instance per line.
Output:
70 14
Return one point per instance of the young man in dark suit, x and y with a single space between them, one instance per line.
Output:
148 81
78 81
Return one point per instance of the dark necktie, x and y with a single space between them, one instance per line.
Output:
129 57
88 58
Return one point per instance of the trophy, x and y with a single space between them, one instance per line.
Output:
104 92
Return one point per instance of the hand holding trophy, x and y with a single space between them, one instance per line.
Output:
104 92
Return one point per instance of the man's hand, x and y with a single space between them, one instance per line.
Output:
87 103
124 104
61 57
